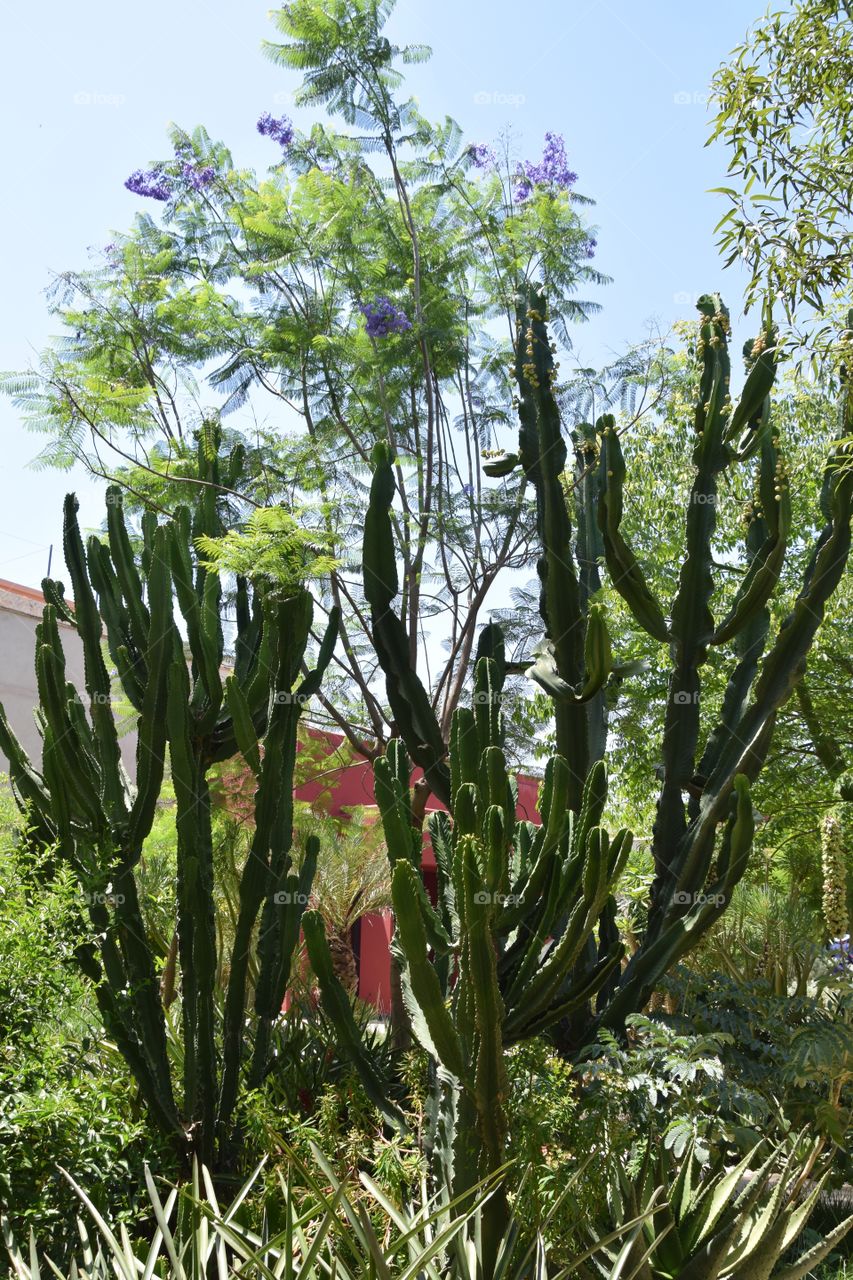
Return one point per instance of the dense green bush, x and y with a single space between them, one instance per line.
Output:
65 1098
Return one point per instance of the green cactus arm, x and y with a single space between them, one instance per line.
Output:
96 676
381 583
54 593
625 572
337 1005
202 647
400 837
737 843
143 986
749 646
751 408
490 1086
59 808
765 565
312 681
195 926
426 990
543 453
603 867
77 776
409 701
274 816
533 989
527 1023
647 965
488 716
692 622
534 916
249 617
26 779
126 571
742 750
442 847
263 670
163 645
464 749
244 729
592 806
213 641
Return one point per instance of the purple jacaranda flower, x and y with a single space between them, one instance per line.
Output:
153 183
468 489
591 246
553 171
280 130
481 155
842 953
383 318
199 177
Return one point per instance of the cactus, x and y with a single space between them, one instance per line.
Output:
704 824
84 805
711 765
489 964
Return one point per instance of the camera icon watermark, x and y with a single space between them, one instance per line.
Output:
682 698
682 899
494 98
483 898
284 898
286 697
482 697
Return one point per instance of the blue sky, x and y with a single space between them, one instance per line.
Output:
89 89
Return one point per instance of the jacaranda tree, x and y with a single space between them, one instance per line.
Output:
361 291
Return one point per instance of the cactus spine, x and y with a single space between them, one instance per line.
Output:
84 805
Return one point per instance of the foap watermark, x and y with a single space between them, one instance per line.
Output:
682 899
105 898
495 98
96 699
286 898
484 898
682 697
482 696
684 98
300 699
94 98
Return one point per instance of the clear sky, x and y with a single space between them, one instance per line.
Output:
88 90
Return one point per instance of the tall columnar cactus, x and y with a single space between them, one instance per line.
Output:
495 960
85 807
704 824
706 770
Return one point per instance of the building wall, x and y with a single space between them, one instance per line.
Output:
20 614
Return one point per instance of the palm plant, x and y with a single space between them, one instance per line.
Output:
352 880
